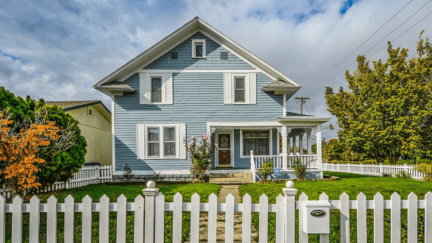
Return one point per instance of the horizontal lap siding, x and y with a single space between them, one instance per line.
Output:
211 62
198 98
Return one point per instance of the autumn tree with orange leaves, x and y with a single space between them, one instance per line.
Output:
22 146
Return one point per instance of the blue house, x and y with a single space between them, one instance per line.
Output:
198 81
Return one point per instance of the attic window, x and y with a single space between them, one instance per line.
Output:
90 111
198 48
224 55
174 55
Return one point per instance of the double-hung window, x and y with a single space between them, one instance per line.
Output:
239 91
257 141
161 141
156 89
169 141
153 142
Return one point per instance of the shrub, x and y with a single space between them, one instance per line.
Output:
58 166
299 168
201 153
403 175
266 170
127 172
426 169
386 174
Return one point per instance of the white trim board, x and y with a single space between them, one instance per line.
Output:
199 71
179 36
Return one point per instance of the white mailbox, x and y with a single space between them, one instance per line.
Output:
316 217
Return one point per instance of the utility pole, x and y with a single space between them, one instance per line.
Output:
302 101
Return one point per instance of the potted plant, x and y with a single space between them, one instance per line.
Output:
201 153
266 170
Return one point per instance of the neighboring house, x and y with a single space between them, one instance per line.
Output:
95 124
196 81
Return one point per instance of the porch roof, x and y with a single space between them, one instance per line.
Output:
296 118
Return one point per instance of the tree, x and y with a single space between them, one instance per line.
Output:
58 166
333 150
22 146
388 111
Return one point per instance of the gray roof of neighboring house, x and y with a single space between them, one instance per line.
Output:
73 105
295 114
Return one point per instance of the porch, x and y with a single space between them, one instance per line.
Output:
247 146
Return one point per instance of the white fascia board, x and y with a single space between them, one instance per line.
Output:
179 36
244 124
135 62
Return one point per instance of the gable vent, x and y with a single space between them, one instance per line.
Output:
224 55
174 55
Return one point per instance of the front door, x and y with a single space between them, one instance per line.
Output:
224 149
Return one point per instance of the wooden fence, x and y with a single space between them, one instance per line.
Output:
149 217
376 170
85 176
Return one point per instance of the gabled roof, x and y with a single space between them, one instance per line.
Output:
78 104
177 37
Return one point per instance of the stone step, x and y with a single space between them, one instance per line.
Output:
234 178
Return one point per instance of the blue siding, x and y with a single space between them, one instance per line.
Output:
211 62
198 99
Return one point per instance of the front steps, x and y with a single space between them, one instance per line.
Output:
231 178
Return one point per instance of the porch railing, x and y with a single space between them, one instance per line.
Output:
311 161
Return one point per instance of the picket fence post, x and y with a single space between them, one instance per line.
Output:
290 212
380 169
361 169
149 210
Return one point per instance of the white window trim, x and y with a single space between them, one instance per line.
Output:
158 75
246 87
161 141
257 129
226 131
193 47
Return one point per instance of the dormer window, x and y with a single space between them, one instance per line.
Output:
198 48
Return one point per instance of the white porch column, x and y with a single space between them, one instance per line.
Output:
294 146
309 141
301 143
319 150
284 148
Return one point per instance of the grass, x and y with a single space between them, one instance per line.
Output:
351 184
113 192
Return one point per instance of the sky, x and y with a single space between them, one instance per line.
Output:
57 50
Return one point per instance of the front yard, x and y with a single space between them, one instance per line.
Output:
350 183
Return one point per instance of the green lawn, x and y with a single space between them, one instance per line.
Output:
351 184
113 192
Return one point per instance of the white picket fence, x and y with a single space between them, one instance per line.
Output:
149 217
370 169
85 176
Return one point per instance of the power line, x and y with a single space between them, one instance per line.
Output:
396 37
398 26
302 101
405 31
368 38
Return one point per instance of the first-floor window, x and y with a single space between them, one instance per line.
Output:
153 142
169 141
161 141
257 141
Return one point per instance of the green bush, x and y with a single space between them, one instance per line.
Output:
299 169
63 165
266 170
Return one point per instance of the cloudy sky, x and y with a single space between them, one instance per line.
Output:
57 50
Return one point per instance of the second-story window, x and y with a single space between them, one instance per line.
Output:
239 95
156 89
